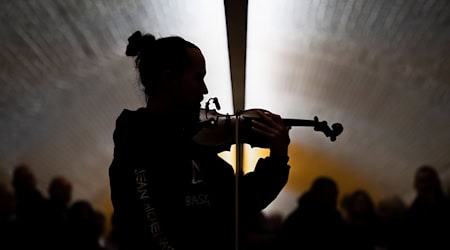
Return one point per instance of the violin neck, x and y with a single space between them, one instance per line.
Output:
299 122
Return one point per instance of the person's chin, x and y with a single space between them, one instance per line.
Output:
196 108
193 112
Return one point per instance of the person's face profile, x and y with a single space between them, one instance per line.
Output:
190 85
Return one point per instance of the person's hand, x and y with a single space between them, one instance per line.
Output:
274 131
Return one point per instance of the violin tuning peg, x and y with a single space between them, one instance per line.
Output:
337 128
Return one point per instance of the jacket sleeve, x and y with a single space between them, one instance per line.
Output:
261 186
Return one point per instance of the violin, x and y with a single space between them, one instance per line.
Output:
219 130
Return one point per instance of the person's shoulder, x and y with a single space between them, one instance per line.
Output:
131 112
130 116
129 122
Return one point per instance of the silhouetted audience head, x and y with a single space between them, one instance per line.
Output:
86 225
427 183
81 212
325 192
60 190
429 212
360 204
23 179
316 223
30 208
391 209
361 221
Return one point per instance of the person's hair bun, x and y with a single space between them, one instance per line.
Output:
134 44
138 42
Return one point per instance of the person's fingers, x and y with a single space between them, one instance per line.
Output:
263 128
273 120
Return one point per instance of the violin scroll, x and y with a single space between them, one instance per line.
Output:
335 130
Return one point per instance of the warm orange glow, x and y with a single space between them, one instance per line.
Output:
251 156
230 156
307 164
103 203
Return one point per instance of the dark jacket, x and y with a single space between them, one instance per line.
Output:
169 193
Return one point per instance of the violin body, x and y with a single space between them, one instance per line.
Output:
220 131
215 130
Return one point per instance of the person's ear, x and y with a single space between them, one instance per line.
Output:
166 75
